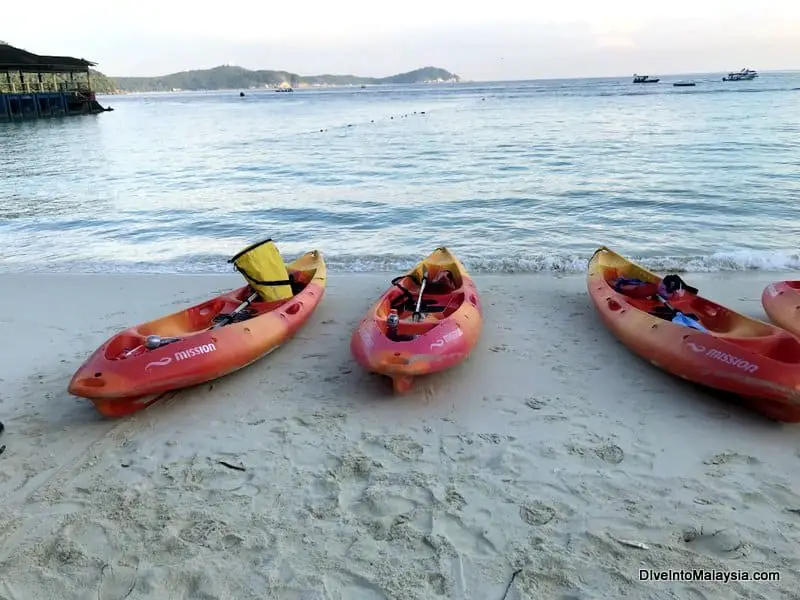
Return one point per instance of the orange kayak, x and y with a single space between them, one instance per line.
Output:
407 333
135 367
666 322
781 302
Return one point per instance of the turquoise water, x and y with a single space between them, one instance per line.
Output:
518 176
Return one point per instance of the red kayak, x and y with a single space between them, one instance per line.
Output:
781 302
428 321
668 323
136 367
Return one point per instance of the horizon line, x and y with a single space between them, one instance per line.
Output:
463 80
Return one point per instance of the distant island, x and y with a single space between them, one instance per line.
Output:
231 78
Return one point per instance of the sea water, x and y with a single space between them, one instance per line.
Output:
511 176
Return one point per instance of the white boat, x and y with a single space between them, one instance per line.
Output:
743 75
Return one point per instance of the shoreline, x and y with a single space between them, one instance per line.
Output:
778 264
723 282
553 450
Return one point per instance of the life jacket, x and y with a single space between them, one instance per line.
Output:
635 288
669 286
673 284
263 268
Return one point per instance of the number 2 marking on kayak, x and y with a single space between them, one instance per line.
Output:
447 337
724 357
182 355
159 363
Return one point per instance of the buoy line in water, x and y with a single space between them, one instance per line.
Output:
371 121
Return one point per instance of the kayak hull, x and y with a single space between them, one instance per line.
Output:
781 302
438 342
121 377
752 359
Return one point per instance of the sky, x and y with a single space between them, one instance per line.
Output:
480 40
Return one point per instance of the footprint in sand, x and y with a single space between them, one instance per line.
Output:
289 594
355 465
438 583
535 403
93 539
402 446
537 513
343 370
465 539
724 458
118 581
359 588
611 453
325 497
554 418
723 543
454 499
383 502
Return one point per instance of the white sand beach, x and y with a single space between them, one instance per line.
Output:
552 453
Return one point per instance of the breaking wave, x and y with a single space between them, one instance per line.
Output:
733 261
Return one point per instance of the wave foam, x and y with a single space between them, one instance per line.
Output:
738 260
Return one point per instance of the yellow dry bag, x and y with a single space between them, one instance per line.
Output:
262 266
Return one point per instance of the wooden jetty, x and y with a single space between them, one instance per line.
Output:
34 86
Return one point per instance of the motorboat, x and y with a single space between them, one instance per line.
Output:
645 79
743 75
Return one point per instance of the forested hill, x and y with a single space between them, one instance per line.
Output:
102 84
228 78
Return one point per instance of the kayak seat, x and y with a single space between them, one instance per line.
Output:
407 299
300 279
396 336
664 312
242 315
724 322
634 287
428 305
442 283
720 321
780 347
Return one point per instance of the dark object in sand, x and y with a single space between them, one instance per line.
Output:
230 466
